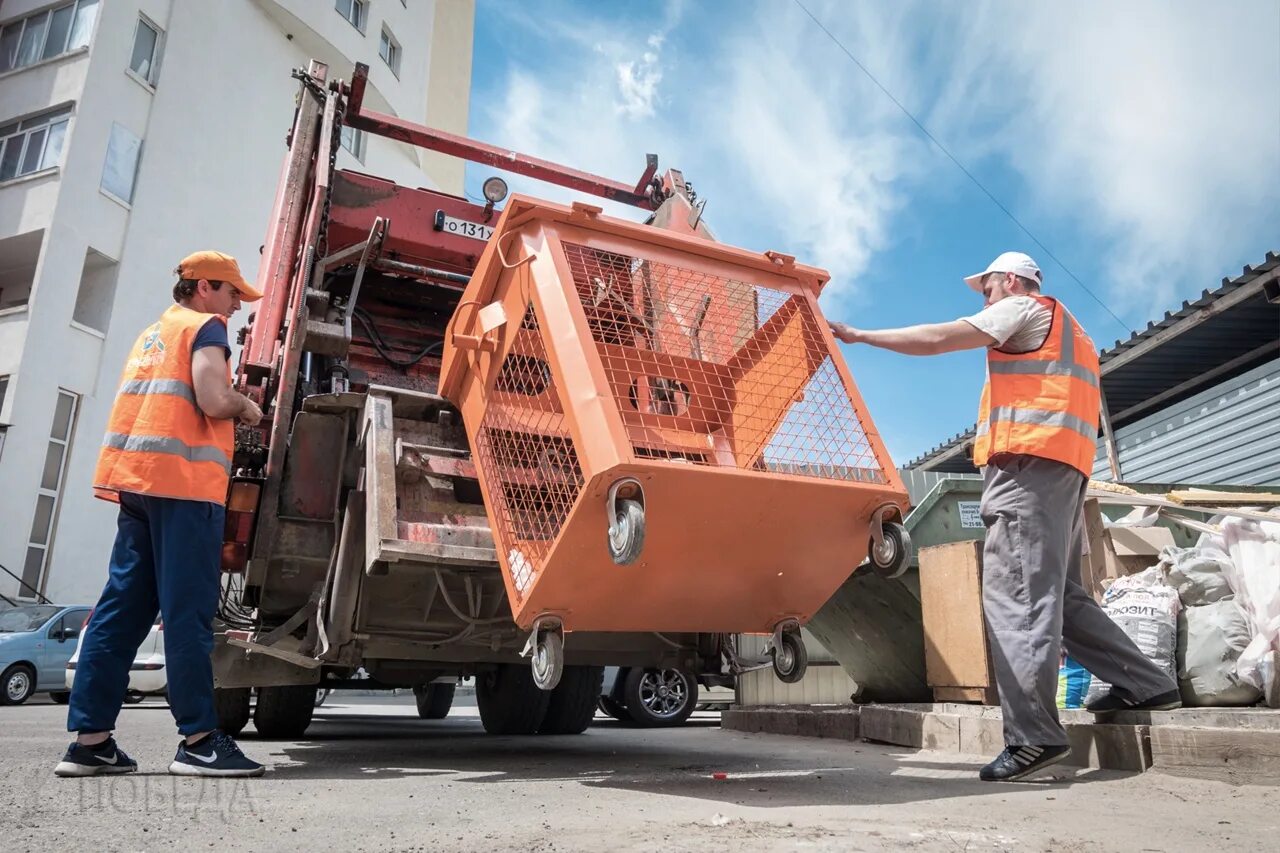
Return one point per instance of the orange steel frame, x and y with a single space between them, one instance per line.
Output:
727 549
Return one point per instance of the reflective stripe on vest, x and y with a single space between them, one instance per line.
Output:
172 387
1042 403
1039 417
173 446
1044 367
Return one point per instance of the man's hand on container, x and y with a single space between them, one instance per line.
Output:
846 333
250 414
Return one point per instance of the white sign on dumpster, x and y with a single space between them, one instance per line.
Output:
970 514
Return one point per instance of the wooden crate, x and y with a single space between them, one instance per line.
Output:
956 655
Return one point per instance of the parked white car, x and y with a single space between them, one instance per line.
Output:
147 675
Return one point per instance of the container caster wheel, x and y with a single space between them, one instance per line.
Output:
626 523
790 657
547 659
892 554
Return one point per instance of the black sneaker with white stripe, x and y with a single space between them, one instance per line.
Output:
97 760
1019 762
1118 700
215 755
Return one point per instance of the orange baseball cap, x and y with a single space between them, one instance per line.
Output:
215 266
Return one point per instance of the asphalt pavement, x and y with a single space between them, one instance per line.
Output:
372 776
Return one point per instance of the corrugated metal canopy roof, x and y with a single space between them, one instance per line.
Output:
1220 335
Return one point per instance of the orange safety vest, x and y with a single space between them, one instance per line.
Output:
1044 402
158 442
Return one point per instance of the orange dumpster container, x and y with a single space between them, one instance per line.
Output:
665 433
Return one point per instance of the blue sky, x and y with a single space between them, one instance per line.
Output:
1139 142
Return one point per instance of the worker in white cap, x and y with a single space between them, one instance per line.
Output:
1035 442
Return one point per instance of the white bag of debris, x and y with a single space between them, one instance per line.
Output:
1146 608
1253 570
1211 638
1198 576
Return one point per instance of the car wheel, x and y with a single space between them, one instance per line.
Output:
133 697
62 697
322 693
17 684
660 697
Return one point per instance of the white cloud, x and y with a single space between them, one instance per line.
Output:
638 82
754 122
820 159
1152 125
1149 127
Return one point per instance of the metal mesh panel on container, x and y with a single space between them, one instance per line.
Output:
524 446
713 371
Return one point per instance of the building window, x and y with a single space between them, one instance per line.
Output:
47 34
121 170
19 256
389 50
55 466
355 11
33 144
353 140
145 61
97 291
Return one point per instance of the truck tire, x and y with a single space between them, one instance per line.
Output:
573 702
611 707
284 712
510 702
434 700
659 697
232 706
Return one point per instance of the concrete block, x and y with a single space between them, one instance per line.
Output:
740 720
842 725
981 735
916 729
781 722
1110 747
807 723
803 721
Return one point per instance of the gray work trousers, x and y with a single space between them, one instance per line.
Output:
1034 603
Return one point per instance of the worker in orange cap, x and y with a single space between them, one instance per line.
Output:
1036 441
166 460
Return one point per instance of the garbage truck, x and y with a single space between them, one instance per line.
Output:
360 539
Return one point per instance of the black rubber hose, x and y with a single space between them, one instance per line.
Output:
375 337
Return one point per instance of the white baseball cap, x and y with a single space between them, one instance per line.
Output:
1014 262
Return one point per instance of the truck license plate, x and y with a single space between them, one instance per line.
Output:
462 227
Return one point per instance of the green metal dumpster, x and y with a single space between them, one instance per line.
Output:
872 624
